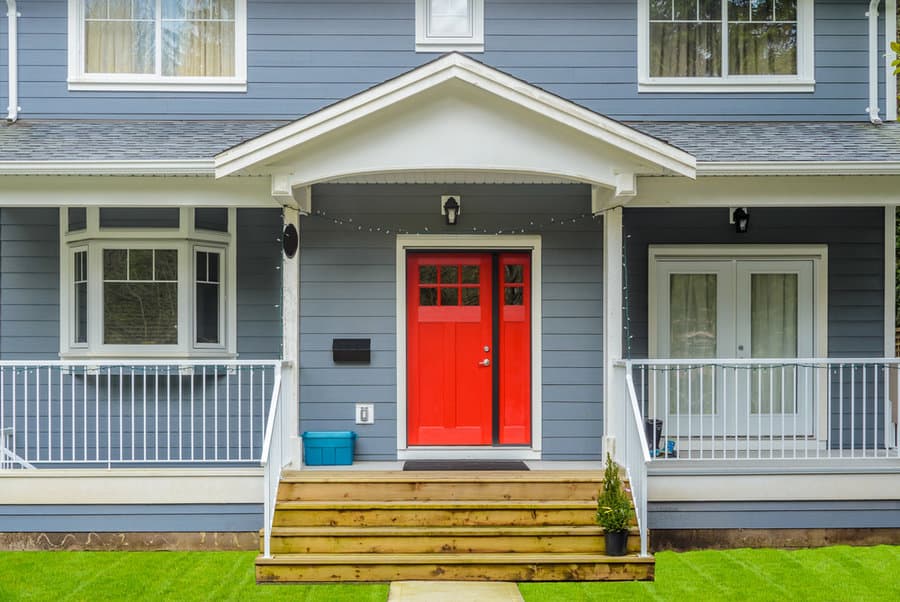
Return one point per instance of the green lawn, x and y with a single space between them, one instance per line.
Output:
839 573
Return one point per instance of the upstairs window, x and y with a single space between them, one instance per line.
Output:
446 25
726 45
157 44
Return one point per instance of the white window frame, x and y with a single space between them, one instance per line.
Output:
803 81
135 82
472 43
188 241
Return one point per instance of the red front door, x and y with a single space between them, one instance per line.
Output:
469 348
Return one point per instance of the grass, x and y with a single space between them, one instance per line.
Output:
93 576
839 573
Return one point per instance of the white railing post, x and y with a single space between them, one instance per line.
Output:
276 452
633 449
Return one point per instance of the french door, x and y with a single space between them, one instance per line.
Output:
735 308
468 348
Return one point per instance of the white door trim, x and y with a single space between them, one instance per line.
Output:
470 242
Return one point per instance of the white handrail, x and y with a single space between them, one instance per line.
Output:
636 458
275 453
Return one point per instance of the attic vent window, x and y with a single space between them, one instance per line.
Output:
446 25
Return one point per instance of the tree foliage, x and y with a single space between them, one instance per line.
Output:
614 505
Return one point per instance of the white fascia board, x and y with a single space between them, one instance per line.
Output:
455 66
798 168
192 167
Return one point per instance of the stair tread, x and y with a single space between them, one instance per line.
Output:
486 531
436 504
452 558
460 476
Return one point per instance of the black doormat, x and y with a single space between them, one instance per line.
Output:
464 465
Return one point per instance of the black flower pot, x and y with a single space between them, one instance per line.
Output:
616 543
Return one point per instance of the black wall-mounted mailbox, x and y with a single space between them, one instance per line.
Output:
352 350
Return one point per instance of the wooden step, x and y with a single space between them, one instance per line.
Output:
423 540
288 568
451 513
446 485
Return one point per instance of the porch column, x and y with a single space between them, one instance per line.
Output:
290 323
613 397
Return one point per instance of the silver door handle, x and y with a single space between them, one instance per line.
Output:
484 362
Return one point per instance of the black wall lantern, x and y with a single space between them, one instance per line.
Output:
450 208
290 240
741 220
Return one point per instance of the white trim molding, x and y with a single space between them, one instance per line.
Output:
890 284
890 35
78 80
803 81
12 46
186 167
798 168
413 242
598 147
473 41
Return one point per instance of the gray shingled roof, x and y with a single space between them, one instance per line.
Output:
780 141
97 140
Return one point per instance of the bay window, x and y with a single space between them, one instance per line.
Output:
725 45
133 289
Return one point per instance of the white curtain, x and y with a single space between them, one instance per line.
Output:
693 311
119 36
773 334
449 18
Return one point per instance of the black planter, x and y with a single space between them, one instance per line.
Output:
616 543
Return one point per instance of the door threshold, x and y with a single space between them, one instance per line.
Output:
468 453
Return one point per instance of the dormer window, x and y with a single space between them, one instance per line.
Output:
446 25
725 46
157 44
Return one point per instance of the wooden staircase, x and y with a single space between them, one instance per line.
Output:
464 526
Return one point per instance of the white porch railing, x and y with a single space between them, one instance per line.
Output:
767 409
134 413
632 452
277 451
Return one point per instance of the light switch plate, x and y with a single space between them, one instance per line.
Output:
365 413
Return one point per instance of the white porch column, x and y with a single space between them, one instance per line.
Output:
290 324
612 325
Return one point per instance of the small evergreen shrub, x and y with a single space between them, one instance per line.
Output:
613 504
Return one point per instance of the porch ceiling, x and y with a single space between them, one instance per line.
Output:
456 115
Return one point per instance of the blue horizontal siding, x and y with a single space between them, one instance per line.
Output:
870 514
304 55
133 518
348 289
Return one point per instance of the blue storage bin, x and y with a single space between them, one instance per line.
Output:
328 448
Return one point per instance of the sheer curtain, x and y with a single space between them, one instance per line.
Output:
119 36
773 334
198 38
693 311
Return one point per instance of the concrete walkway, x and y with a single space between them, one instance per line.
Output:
453 591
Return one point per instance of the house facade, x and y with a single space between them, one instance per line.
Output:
464 230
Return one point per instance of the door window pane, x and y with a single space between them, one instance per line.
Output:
428 296
449 274
428 274
773 334
470 274
449 296
470 296
692 335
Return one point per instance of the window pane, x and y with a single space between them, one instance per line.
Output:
513 296
211 219
512 273
140 264
80 296
762 49
198 48
684 10
762 10
693 333
213 275
96 9
201 267
115 264
786 10
470 274
119 46
709 10
140 313
449 296
470 296
207 313
660 9
198 9
685 49
452 18
428 296
428 274
739 10
773 333
119 217
449 274
166 264
77 218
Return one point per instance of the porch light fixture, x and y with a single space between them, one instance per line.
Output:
740 217
450 208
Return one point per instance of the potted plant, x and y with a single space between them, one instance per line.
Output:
614 510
